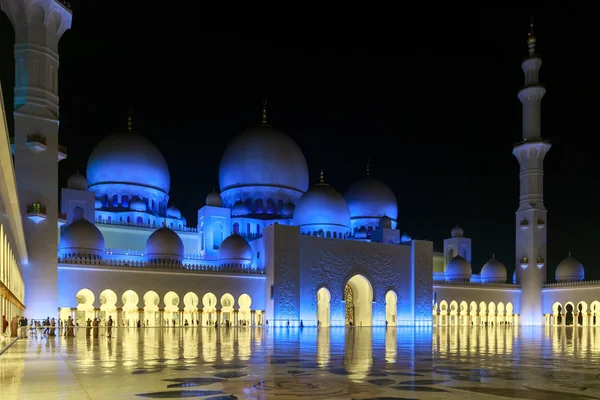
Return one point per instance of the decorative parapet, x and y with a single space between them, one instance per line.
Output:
143 225
466 282
36 212
571 284
140 253
161 265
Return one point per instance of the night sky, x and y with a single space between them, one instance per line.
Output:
430 99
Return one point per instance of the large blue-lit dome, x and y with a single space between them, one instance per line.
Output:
130 159
81 237
264 158
458 268
322 207
371 198
569 270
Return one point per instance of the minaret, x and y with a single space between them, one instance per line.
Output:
531 226
38 28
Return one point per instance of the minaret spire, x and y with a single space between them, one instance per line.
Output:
368 166
531 39
321 180
264 113
129 121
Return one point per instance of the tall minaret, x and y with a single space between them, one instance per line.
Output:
531 224
38 27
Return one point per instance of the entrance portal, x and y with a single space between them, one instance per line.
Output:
358 295
323 299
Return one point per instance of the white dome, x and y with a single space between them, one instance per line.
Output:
214 199
385 222
569 270
405 238
493 271
164 244
81 237
235 250
98 204
173 212
458 269
322 207
138 205
77 182
128 159
369 197
239 208
263 156
457 231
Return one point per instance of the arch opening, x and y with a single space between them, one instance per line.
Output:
244 312
171 313
227 302
323 308
130 314
85 306
151 301
358 295
391 308
209 309
108 306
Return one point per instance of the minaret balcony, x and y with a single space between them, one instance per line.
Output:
36 212
524 224
541 223
62 219
540 262
37 143
532 140
524 262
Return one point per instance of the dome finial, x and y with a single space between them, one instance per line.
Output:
264 113
569 253
321 180
129 121
493 256
368 166
531 39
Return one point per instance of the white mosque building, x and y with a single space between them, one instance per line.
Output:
270 247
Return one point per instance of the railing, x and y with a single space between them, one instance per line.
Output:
140 253
144 225
160 265
532 140
438 281
571 284
67 4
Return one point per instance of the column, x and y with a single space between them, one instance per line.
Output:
119 321
235 317
161 317
218 317
253 317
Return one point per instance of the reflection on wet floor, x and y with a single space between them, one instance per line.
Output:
262 363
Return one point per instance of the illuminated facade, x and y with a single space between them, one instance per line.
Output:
268 247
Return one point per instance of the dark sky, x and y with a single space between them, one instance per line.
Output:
430 97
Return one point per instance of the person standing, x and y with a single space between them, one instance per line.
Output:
95 326
88 327
4 323
23 327
110 325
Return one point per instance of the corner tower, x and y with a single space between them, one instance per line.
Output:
531 226
38 27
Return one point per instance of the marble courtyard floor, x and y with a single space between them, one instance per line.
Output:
337 363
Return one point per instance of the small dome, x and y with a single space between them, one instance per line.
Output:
82 237
173 212
288 209
385 222
138 205
322 207
98 204
405 238
77 182
239 208
493 271
569 270
214 199
361 233
457 231
369 197
458 269
164 244
235 250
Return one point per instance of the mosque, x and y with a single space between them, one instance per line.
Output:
270 247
